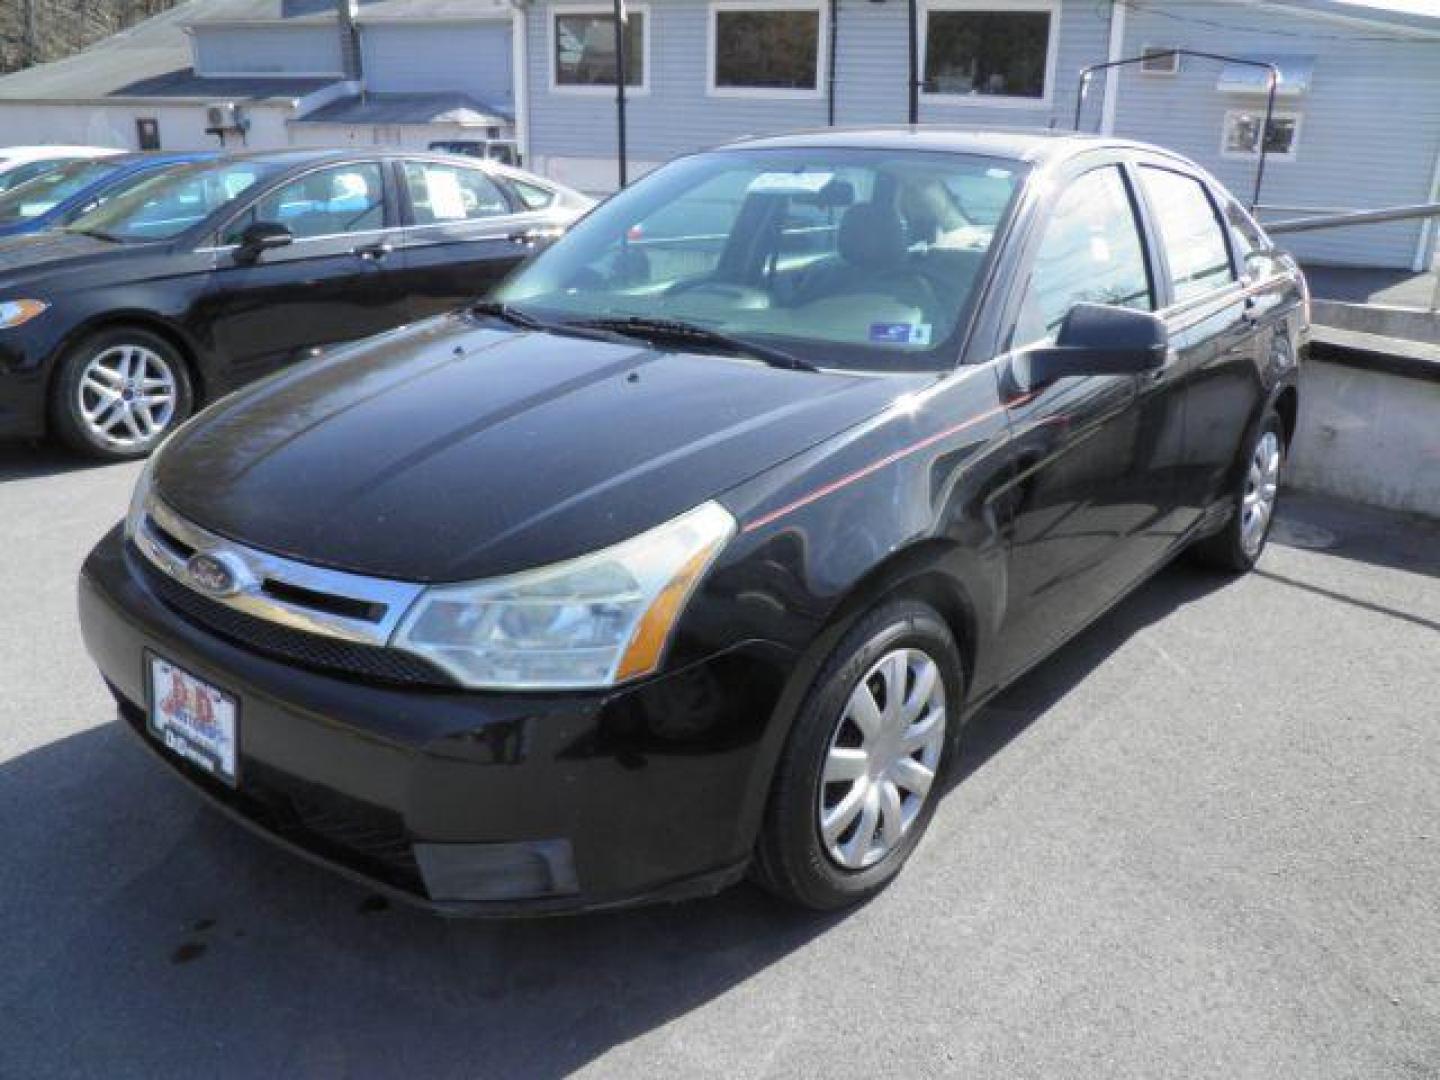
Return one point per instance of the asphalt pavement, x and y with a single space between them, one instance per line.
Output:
1201 841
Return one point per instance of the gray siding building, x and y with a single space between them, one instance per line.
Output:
1357 121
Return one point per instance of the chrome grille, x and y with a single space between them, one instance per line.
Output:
306 614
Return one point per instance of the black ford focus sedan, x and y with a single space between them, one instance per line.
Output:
194 279
692 551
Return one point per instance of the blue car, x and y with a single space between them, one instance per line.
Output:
57 197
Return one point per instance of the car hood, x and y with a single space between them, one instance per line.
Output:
29 257
451 451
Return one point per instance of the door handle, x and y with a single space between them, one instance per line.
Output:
375 251
1252 311
530 237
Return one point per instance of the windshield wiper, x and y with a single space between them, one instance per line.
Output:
98 234
678 332
507 313
523 320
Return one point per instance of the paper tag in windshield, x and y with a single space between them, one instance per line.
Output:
900 333
783 183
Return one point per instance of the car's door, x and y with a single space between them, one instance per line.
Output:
463 233
1094 456
332 283
1211 317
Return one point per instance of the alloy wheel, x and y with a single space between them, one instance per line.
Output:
882 759
1262 483
127 395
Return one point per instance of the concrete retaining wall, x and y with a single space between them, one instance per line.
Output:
1368 436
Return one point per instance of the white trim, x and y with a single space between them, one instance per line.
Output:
520 76
553 11
1174 59
268 75
1279 114
993 101
1114 50
1425 247
712 39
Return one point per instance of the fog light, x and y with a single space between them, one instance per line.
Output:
522 871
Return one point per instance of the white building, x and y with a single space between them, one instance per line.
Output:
267 73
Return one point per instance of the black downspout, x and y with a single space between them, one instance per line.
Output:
914 97
620 83
830 75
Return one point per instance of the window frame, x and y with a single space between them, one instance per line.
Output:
980 7
1156 270
408 219
1254 155
1175 304
215 235
712 43
553 14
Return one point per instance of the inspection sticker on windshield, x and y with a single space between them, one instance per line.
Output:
193 719
900 333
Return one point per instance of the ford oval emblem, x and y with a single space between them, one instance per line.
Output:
213 574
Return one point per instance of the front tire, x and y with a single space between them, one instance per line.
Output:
858 781
1239 545
118 393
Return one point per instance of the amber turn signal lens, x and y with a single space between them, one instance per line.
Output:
19 312
648 642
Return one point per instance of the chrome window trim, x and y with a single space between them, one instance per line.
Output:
256 567
508 219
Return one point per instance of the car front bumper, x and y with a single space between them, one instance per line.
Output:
472 803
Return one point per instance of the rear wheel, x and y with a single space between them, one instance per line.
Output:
858 781
119 392
1239 544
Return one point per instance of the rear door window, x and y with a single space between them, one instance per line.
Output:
444 193
1090 252
1190 232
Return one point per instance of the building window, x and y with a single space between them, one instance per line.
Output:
582 52
1002 53
1159 60
147 133
1241 136
765 49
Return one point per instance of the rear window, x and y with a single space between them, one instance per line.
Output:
1190 232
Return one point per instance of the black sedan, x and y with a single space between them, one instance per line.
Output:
691 552
191 282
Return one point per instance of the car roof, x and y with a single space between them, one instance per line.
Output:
15 155
1018 143
164 157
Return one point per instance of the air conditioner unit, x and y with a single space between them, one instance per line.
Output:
225 116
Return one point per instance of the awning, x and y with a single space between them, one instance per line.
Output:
1295 75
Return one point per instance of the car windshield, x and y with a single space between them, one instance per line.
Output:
159 207
45 192
843 258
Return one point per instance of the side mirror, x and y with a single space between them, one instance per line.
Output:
1096 339
260 236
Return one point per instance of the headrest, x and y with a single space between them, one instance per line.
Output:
872 236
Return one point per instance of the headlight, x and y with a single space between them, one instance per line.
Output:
18 312
590 622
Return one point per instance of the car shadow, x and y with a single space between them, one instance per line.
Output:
1009 713
27 460
147 929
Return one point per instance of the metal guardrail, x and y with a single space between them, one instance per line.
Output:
1341 219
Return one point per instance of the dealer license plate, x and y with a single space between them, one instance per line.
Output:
194 720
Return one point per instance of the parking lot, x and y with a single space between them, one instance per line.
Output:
1204 840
